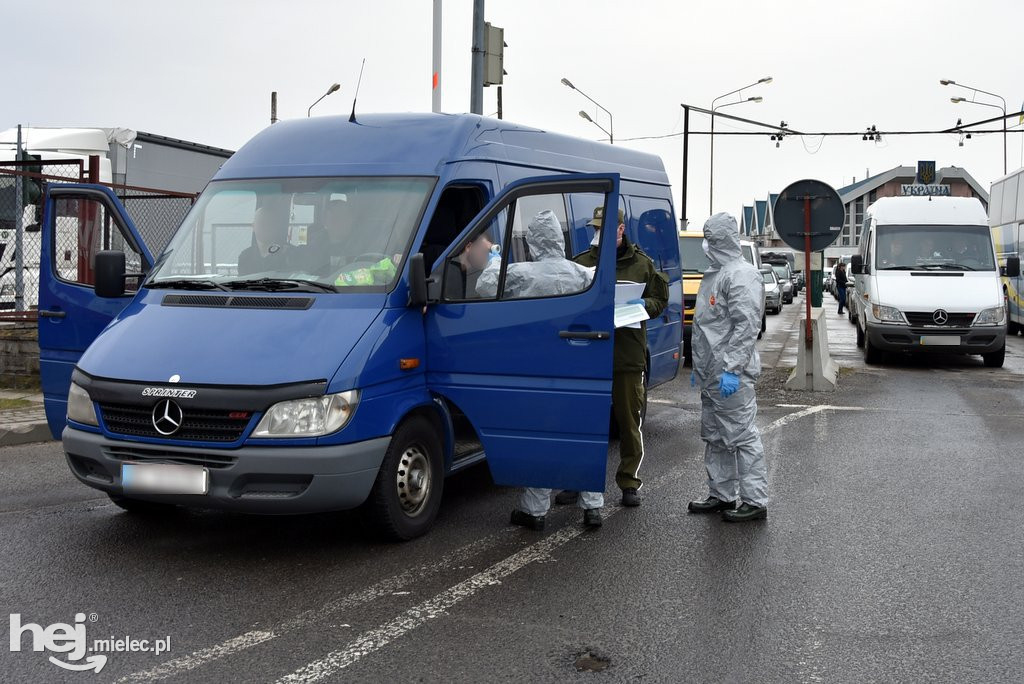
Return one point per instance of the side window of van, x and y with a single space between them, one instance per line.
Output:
655 230
521 253
456 208
867 249
84 227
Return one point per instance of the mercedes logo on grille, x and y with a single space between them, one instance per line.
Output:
167 417
940 317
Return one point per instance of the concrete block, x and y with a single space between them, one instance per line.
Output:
815 370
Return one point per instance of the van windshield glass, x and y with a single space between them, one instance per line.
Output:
934 248
693 256
296 234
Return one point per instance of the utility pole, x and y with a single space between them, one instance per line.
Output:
19 231
273 108
683 221
476 91
435 98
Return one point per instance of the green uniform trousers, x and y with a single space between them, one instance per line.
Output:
627 405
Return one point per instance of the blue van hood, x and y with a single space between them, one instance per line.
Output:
149 342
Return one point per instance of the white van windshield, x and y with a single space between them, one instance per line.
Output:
693 256
297 234
934 248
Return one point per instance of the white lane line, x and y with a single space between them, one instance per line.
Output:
387 587
811 410
373 640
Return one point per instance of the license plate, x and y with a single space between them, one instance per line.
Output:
940 340
164 478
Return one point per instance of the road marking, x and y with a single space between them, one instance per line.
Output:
386 587
375 639
811 410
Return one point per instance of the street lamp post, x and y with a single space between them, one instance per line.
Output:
955 100
334 88
611 124
738 91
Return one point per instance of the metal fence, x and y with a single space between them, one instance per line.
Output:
22 189
79 230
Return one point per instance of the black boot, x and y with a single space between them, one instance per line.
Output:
712 504
523 519
630 497
592 517
745 512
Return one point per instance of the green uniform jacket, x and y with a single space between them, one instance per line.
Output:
633 265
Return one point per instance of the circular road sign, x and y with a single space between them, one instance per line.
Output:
826 210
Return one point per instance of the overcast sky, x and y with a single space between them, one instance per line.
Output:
204 70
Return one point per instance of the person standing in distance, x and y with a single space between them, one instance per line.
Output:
725 367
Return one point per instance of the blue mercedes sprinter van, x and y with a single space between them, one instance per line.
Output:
311 338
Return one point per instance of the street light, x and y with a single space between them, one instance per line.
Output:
711 172
585 116
957 100
334 88
611 124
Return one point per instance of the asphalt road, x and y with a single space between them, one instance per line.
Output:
893 552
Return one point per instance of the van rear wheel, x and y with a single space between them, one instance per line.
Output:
995 359
407 492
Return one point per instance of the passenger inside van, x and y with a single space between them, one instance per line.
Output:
269 250
327 250
463 269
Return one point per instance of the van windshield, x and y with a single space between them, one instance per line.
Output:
297 234
692 254
934 248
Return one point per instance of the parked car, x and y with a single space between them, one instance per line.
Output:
786 280
772 291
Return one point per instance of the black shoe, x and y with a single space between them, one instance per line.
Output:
745 512
592 517
630 497
566 497
711 504
523 519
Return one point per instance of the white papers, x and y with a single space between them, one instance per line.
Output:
629 315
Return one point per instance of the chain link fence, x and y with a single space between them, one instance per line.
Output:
80 228
22 190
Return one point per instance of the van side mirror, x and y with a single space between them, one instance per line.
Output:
110 273
1012 267
856 264
417 281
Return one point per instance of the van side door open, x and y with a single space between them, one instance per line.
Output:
524 347
78 222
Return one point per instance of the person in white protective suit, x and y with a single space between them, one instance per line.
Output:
549 273
725 367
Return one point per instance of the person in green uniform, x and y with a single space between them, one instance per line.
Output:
630 357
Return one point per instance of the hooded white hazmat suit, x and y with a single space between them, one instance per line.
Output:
549 273
725 326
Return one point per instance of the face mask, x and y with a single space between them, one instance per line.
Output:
706 247
597 238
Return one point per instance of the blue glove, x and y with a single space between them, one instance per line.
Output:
693 379
729 383
636 301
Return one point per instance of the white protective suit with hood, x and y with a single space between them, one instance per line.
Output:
549 273
725 326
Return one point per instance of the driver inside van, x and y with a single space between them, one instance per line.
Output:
270 250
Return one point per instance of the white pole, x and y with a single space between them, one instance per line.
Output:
435 101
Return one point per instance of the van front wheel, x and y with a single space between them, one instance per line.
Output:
407 492
995 359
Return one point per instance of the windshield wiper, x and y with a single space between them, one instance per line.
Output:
187 284
280 284
897 268
948 267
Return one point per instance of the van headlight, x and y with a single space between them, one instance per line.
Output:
994 316
80 406
313 417
886 314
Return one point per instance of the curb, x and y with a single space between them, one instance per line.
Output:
25 434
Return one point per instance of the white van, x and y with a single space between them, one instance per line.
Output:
926 280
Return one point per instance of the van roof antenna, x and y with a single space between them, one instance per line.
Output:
352 117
